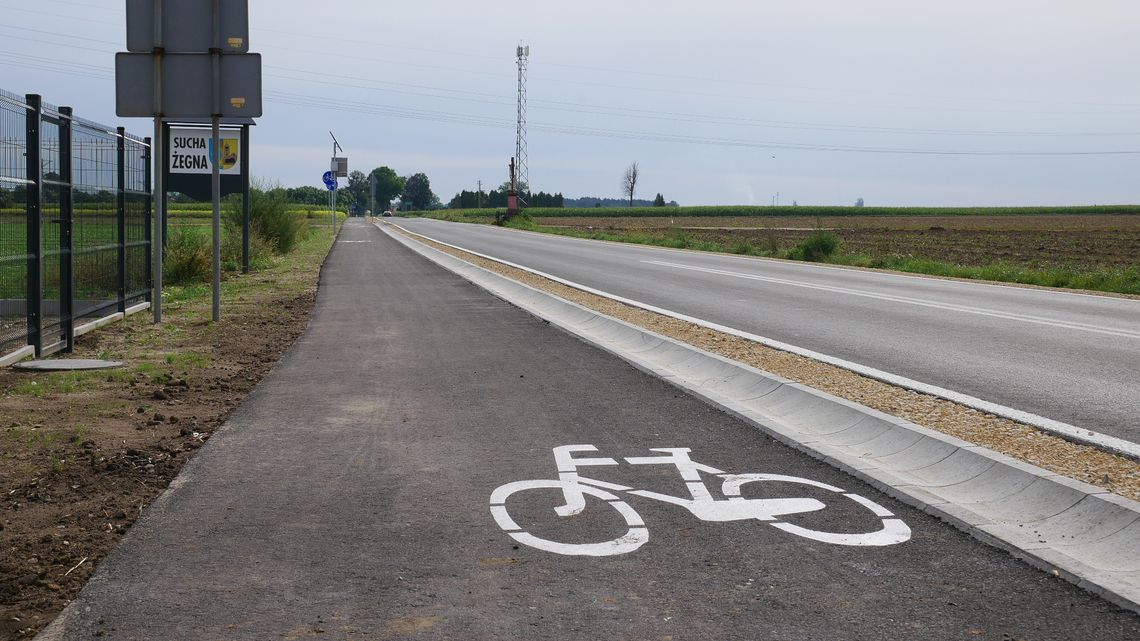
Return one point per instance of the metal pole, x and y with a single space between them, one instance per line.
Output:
216 172
121 215
157 230
66 223
216 180
34 295
245 186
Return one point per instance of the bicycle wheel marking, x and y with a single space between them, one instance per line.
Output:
636 535
701 504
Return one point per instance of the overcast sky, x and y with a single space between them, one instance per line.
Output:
720 102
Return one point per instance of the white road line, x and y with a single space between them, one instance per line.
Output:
1065 430
1083 327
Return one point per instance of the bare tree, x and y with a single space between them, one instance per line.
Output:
629 182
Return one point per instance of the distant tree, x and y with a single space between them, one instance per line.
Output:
659 201
344 199
358 187
417 192
307 195
467 200
859 202
629 182
388 184
524 188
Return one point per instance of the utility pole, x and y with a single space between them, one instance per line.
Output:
479 195
372 191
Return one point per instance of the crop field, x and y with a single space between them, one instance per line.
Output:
1030 241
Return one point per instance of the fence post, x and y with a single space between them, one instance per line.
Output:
148 217
35 292
121 213
66 225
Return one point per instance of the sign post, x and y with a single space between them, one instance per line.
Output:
187 60
339 169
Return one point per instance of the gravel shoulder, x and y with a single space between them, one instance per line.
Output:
1024 442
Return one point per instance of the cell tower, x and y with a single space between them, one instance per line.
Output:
523 53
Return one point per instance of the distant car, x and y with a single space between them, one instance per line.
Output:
387 214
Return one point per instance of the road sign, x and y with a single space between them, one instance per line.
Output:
190 151
188 26
340 167
186 91
330 180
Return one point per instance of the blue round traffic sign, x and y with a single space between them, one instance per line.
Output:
330 180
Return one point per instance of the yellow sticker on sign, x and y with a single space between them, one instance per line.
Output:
230 149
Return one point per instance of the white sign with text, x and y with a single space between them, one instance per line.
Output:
190 151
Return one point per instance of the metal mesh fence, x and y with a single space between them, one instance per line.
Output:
137 216
52 223
95 229
13 226
74 230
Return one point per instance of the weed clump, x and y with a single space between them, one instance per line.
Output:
270 216
187 258
819 246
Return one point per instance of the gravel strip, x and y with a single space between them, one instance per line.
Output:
1027 443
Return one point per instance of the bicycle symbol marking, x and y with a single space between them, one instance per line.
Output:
575 488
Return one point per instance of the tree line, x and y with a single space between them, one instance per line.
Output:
497 198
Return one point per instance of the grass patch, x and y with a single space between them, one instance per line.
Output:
188 359
55 383
1119 281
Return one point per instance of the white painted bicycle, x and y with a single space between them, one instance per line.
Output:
734 507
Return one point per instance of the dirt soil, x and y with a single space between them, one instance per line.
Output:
81 455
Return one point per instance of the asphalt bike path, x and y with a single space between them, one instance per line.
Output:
430 462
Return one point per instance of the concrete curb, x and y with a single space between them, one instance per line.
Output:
1083 533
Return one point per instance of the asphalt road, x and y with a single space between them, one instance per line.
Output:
350 497
1068 357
